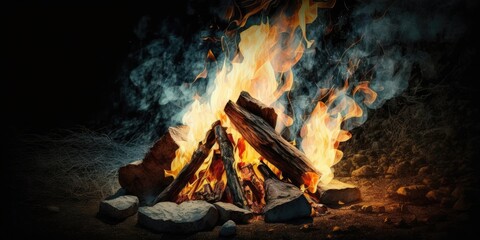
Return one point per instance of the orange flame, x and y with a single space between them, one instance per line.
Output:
262 66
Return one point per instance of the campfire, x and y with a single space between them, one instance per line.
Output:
237 145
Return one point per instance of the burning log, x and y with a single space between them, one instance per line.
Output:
271 145
170 192
226 151
146 178
258 108
253 185
284 201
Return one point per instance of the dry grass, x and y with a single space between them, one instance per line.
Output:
77 163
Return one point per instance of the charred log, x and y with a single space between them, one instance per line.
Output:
258 108
271 145
226 151
198 157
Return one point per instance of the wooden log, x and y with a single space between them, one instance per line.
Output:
258 108
146 178
284 201
251 181
271 145
198 157
226 151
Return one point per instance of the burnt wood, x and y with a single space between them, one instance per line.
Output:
226 152
270 144
256 107
284 201
198 157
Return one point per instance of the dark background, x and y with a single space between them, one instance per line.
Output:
60 63
62 60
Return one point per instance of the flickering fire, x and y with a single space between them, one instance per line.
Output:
263 67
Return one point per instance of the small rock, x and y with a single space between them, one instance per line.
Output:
413 192
364 171
387 220
120 207
366 209
229 228
399 170
319 209
306 227
424 170
435 195
431 182
228 211
336 229
355 207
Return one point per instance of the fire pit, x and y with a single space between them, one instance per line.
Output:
267 120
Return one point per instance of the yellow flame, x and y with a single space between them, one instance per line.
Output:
263 67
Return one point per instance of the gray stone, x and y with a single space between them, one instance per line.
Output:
285 202
120 207
367 209
228 211
229 228
364 171
400 169
187 217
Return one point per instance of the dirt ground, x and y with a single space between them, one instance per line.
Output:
74 219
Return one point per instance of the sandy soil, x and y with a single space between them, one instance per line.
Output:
75 219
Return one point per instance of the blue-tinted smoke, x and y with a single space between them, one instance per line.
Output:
389 38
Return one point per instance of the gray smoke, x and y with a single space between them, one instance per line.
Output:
389 38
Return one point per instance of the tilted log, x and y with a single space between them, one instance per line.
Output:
226 151
198 157
146 178
284 201
271 145
258 108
